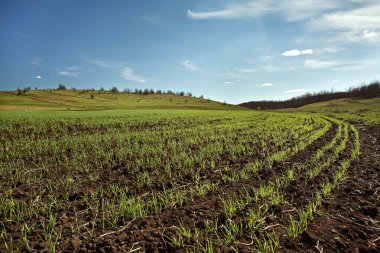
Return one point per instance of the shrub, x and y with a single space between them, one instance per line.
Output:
23 91
61 87
114 90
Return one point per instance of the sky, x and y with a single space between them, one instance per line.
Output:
226 50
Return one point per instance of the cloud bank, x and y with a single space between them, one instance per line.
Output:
292 10
358 25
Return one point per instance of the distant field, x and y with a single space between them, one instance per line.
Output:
359 110
102 100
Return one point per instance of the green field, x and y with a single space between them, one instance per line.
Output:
89 175
102 100
128 172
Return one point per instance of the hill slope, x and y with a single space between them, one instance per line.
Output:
102 100
366 110
343 105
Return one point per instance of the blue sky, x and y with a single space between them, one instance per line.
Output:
232 51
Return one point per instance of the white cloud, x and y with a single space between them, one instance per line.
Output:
103 63
296 52
100 63
36 61
128 74
316 64
267 65
292 10
329 50
358 19
358 25
245 70
371 35
270 68
149 19
68 73
189 65
307 51
267 58
295 10
357 65
266 84
335 81
366 36
249 10
73 68
229 83
38 77
294 91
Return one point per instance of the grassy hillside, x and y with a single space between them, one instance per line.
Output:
102 100
366 110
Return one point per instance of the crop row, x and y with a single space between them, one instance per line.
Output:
255 205
263 196
108 174
141 153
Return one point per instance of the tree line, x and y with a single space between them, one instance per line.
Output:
362 92
115 90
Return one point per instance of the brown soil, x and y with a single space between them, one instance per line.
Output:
349 220
150 234
350 217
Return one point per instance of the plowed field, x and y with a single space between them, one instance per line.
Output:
194 181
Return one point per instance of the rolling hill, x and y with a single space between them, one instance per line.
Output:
343 105
358 110
102 100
